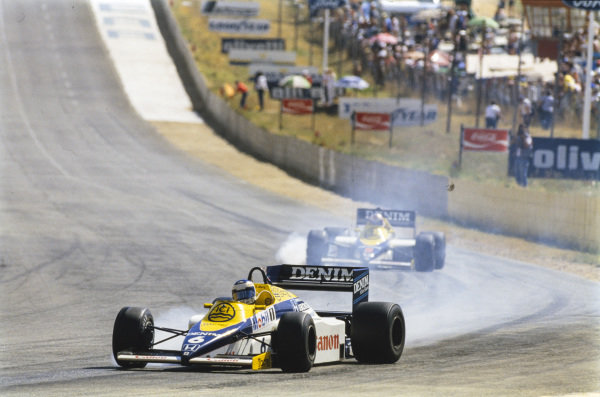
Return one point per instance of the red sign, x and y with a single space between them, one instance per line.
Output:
485 140
372 121
297 106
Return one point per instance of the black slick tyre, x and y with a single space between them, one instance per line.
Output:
316 247
378 332
425 252
439 249
296 342
133 331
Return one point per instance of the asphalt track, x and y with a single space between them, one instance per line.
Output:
97 212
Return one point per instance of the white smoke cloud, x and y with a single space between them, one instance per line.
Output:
293 250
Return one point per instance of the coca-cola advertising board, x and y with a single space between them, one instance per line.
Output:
297 106
371 121
485 140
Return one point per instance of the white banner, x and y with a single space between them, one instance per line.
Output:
250 56
231 8
348 105
239 26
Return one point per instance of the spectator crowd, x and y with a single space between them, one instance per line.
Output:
418 52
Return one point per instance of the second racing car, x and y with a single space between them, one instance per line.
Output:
382 238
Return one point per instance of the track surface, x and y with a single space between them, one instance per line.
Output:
97 212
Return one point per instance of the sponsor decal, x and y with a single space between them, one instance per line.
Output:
221 313
328 342
262 319
190 347
232 8
349 105
397 218
564 158
321 273
362 285
371 121
241 26
302 307
242 57
316 5
407 116
296 93
203 333
583 4
297 106
252 44
485 140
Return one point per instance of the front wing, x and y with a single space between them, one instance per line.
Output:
256 362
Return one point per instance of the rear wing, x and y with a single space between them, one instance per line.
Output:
397 218
323 278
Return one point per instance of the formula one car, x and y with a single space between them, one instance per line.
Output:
378 241
266 326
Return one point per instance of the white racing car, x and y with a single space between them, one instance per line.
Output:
382 238
265 326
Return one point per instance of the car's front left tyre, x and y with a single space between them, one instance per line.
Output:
134 331
296 342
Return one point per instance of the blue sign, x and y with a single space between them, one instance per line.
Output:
590 5
315 5
564 158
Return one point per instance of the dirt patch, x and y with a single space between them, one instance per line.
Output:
202 142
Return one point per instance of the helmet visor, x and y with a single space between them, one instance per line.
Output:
244 294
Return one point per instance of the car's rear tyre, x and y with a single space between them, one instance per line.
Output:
316 247
296 342
425 252
378 332
439 249
133 330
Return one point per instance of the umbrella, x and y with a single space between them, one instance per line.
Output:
385 38
478 22
295 81
352 82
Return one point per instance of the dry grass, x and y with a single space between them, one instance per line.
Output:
427 148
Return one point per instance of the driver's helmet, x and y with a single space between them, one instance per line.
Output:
244 291
376 219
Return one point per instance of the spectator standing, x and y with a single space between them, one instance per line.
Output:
260 84
523 153
526 111
242 89
492 115
329 79
547 110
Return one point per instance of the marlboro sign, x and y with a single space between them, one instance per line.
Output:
297 106
372 121
485 140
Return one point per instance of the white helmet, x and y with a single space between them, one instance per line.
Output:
244 291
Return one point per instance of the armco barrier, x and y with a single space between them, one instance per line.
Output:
552 217
565 218
350 176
